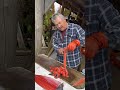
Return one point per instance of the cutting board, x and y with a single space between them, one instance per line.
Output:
74 75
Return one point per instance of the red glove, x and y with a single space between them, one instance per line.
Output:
72 46
93 43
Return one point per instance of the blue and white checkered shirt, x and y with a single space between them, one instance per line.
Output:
101 16
73 32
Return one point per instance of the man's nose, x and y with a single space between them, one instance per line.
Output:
59 25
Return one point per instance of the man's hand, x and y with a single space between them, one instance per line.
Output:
72 45
93 43
91 48
61 51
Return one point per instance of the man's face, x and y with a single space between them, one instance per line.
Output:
60 23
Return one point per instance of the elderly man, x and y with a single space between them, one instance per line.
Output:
66 33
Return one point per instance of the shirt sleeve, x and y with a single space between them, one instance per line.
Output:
55 42
110 21
81 35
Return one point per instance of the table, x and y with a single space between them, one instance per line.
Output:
39 70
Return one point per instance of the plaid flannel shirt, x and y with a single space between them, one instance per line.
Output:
101 16
73 32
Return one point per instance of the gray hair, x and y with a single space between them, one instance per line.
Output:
57 15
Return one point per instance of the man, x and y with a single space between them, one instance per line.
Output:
67 33
102 32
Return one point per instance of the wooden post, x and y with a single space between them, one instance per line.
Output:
39 10
8 28
20 39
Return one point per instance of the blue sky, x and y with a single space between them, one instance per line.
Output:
57 6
